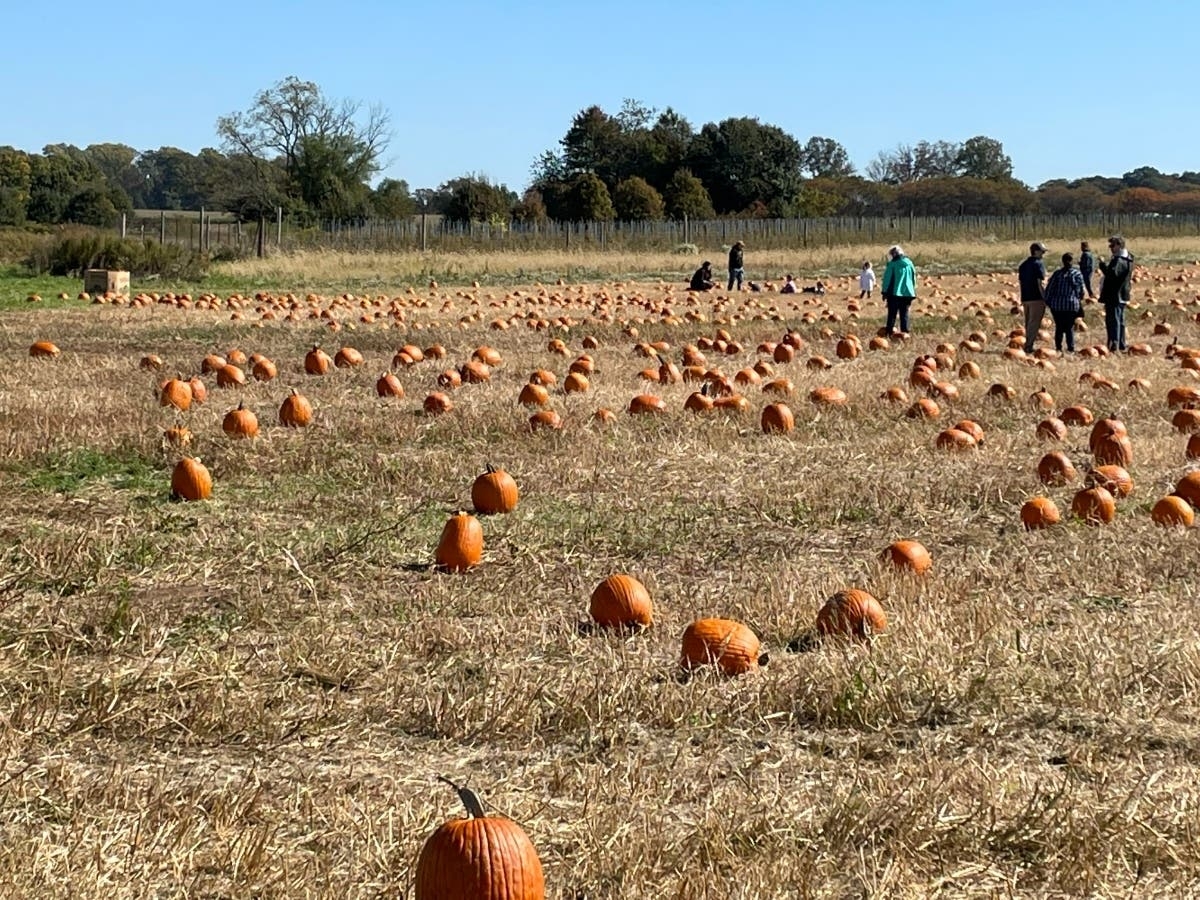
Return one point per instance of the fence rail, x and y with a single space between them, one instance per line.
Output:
433 233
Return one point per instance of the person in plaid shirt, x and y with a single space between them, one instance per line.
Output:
1064 297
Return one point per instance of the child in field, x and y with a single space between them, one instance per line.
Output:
789 286
818 288
866 281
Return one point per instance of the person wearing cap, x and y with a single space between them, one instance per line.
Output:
702 278
1032 277
737 270
1114 291
899 289
1064 297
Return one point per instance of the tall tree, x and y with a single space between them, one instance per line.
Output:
741 161
685 195
116 163
16 177
474 198
295 123
636 201
391 199
983 157
824 157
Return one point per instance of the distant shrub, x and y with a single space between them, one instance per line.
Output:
687 249
72 253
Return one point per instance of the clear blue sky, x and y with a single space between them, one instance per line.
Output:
1070 88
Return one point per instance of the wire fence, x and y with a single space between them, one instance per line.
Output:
219 234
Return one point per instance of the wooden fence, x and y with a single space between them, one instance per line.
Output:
219 235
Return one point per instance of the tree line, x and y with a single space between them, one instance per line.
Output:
317 158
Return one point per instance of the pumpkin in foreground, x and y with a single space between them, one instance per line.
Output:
190 480
621 601
730 646
908 556
461 545
480 857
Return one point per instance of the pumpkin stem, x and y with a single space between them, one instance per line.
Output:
468 798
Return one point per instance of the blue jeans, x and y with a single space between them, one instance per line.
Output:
736 275
1114 324
897 307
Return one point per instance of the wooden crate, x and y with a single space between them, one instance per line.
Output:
105 281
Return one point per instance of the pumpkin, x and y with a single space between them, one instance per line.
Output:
782 387
437 403
1039 512
1188 487
1001 391
851 613
229 376
817 363
1106 427
199 391
150 361
647 403
777 417
1041 399
413 352
1113 450
1183 396
575 383
449 379
240 423
908 556
1052 429
1077 415
177 436
263 369
212 363
828 396
730 646
347 358
924 408
190 480
44 350
846 349
1186 421
698 402
954 439
784 353
475 372
545 418
389 385
480 857
237 358
461 544
493 492
1171 511
1192 451
296 411
734 403
177 393
543 377
317 361
621 601
1056 468
533 395
583 364
1112 478
488 356
1094 505
895 394
969 370
604 416
971 427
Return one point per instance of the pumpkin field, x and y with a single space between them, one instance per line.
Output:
706 595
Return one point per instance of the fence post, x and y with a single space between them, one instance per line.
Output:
278 227
162 227
124 224
260 239
201 229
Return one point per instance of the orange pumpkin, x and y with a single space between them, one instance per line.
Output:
177 393
240 422
1056 468
461 544
44 350
1094 505
480 857
1171 511
908 556
495 491
190 480
1039 512
1114 479
730 646
389 385
296 411
647 403
317 361
851 613
777 417
1188 487
621 601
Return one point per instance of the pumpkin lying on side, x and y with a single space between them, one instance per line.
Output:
621 601
851 613
480 857
730 646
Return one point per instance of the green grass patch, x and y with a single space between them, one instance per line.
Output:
68 473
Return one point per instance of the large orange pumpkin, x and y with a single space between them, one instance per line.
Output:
1188 487
777 417
190 480
240 422
480 857
1056 468
621 601
1039 512
908 556
1173 510
730 646
295 411
1094 505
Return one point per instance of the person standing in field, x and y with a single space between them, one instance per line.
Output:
1087 265
1114 291
1064 296
1032 278
899 289
866 281
737 265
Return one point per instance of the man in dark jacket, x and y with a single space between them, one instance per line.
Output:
1114 291
737 268
1087 265
702 278
1032 278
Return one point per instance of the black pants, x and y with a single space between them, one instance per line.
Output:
1064 327
898 307
1087 281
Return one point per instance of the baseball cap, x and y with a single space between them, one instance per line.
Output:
1037 245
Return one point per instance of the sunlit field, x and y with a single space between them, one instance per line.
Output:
252 695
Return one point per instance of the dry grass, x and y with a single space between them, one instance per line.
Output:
251 696
339 268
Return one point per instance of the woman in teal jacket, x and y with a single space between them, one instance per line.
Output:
899 288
